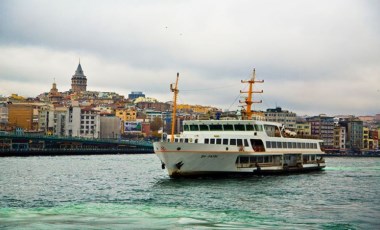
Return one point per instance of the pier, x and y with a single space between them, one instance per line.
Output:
41 145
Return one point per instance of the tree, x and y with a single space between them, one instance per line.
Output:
156 124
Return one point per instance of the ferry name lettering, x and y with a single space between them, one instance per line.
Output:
209 156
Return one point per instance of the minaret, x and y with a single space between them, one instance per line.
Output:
79 80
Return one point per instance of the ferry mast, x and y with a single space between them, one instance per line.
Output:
175 91
248 100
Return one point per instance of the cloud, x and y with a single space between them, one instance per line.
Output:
314 55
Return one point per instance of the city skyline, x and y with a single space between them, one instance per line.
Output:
315 57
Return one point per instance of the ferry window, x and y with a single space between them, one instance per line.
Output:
206 141
212 141
215 127
239 142
298 145
260 159
303 145
176 140
274 145
246 143
218 141
253 159
314 145
284 145
294 145
186 140
249 127
225 141
268 144
186 128
228 127
233 142
307 145
279 144
305 158
239 127
180 140
272 131
244 160
266 159
289 145
313 157
258 127
196 141
194 128
203 127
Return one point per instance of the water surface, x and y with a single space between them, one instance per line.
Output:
131 191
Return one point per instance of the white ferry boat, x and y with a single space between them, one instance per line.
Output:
244 146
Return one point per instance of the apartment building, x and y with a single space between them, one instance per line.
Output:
288 119
82 122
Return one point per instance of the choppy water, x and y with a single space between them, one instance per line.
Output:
131 191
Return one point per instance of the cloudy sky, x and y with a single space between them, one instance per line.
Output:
316 56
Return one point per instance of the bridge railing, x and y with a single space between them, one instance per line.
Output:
80 139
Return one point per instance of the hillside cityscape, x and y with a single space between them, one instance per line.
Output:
78 112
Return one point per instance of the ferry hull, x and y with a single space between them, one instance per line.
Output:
184 160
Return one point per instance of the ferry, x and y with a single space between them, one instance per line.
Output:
246 146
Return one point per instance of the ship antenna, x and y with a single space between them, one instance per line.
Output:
248 100
175 91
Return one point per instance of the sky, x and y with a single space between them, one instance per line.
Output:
315 57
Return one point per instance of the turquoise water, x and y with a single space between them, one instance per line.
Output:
131 191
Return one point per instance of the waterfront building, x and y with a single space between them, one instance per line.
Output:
126 114
23 115
303 129
157 106
194 108
340 137
322 126
51 120
78 80
366 141
152 114
82 122
3 113
145 99
135 94
288 119
110 127
354 128
45 120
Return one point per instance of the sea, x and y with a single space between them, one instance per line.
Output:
133 192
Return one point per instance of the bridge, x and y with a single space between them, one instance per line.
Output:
31 145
